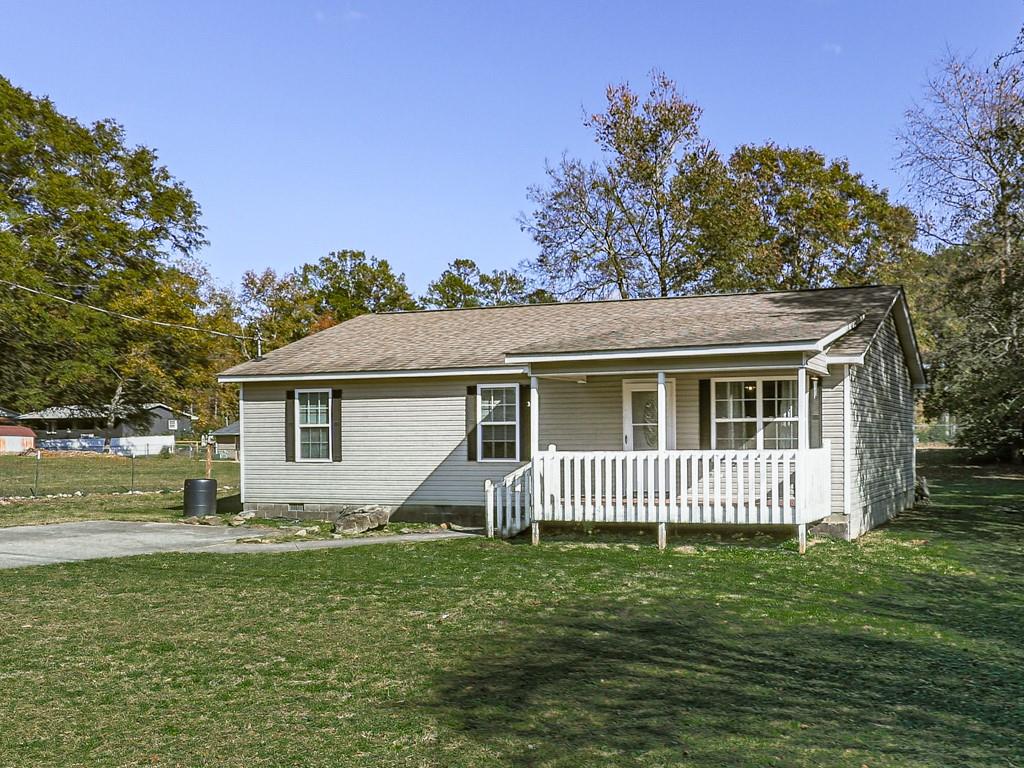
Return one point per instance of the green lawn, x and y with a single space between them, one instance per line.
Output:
101 473
160 507
904 649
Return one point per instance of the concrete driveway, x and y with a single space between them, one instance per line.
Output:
64 542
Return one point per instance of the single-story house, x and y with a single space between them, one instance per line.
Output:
71 422
225 441
15 438
779 408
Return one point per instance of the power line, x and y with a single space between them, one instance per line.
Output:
163 324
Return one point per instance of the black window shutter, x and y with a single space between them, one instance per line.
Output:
704 399
524 422
336 425
471 422
289 425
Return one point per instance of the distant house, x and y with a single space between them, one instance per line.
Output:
72 422
15 438
750 409
226 441
7 413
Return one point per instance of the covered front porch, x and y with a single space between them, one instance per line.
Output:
699 447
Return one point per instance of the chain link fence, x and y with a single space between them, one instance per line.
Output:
935 433
49 473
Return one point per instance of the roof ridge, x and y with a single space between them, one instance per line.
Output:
720 294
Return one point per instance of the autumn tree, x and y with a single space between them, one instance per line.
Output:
628 225
662 214
963 149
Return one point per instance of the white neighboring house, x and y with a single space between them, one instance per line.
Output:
16 439
778 408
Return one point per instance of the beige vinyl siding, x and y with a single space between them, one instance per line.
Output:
832 429
882 412
403 442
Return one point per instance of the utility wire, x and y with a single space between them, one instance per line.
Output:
258 339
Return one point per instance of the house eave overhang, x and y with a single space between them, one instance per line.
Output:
257 378
794 346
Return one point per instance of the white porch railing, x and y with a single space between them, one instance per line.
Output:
782 487
510 503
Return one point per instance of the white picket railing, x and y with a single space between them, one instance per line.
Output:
510 503
780 487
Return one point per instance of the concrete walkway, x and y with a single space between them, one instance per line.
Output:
66 542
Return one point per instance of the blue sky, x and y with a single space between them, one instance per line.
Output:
411 130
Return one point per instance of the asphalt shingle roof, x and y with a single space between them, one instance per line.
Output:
474 338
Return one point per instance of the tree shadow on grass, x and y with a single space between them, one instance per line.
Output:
982 596
674 683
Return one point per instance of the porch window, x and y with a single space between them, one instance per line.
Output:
756 414
780 414
499 422
314 424
736 423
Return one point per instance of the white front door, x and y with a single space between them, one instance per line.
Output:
640 415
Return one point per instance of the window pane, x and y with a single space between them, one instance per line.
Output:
780 400
736 435
497 404
736 399
644 407
314 443
499 441
780 435
645 437
314 407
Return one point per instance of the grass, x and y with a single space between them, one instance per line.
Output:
103 473
903 649
157 507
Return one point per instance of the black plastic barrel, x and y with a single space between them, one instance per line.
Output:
200 497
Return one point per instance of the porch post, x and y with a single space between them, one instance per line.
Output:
535 460
803 443
803 410
534 417
662 412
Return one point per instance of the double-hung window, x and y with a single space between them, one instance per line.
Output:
756 414
736 415
781 429
313 424
499 422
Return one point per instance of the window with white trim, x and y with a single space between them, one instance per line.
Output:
756 414
499 422
172 425
736 424
313 424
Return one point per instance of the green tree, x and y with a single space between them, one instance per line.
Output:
86 217
807 222
462 285
279 309
349 283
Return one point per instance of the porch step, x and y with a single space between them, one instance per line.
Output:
833 527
